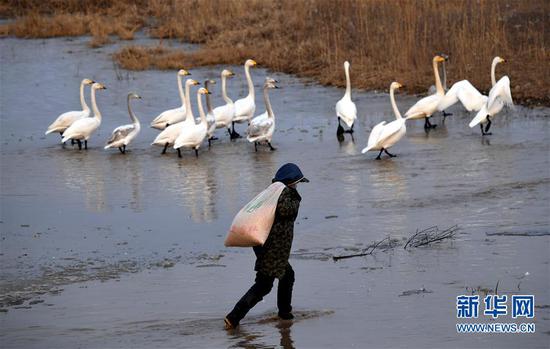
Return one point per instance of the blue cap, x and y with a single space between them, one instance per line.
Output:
289 173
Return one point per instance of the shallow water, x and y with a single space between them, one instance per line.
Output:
75 224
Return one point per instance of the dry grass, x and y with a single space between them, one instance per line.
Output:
384 40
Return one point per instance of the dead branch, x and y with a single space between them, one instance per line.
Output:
364 253
431 235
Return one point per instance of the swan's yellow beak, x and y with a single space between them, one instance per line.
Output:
206 91
184 72
195 82
439 59
502 60
254 63
399 85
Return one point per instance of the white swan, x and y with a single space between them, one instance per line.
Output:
500 95
224 114
210 118
245 107
123 135
193 134
443 71
345 108
65 120
467 94
82 129
424 108
172 116
383 135
168 135
261 128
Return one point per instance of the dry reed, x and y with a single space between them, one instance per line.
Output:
384 40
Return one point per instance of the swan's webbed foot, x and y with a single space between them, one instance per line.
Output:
428 124
271 147
120 150
340 129
445 114
79 144
179 153
390 154
165 147
489 122
256 146
196 152
235 135
85 144
380 154
350 131
72 142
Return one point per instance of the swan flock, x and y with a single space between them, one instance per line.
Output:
180 130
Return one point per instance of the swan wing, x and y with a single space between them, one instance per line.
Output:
244 108
424 107
388 136
374 136
470 97
81 128
347 111
501 93
171 116
169 134
65 120
224 114
259 126
464 92
190 136
481 117
120 133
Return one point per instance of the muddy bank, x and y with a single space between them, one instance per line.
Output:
135 215
313 39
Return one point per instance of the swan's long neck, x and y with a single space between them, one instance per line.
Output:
132 115
444 70
180 88
394 105
348 82
201 110
249 80
208 101
438 86
224 91
97 114
493 68
189 117
268 103
82 99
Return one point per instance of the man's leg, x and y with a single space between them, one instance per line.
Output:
256 293
284 294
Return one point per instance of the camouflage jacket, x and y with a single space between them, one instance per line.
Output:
272 257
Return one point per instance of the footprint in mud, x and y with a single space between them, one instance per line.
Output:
194 327
298 316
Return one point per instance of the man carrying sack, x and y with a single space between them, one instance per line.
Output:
272 257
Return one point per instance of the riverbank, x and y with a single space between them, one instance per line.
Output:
313 39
